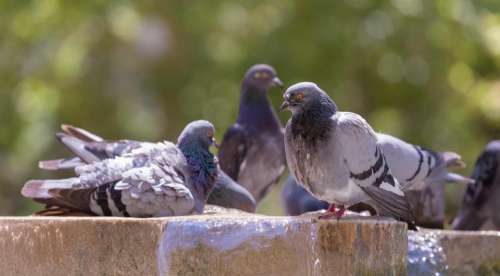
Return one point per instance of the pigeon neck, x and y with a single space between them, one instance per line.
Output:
312 123
255 108
203 168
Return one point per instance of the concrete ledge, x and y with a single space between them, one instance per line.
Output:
78 246
218 244
471 252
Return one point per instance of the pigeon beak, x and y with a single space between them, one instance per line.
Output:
284 105
277 82
214 142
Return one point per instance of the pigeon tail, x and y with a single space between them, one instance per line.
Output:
77 146
60 194
80 133
392 205
41 188
456 178
60 164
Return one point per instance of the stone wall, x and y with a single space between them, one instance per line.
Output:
217 244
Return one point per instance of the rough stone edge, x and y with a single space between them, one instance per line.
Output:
162 223
470 252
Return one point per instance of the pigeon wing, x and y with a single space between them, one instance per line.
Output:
367 166
159 189
233 150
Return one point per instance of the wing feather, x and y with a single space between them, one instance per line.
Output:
368 167
233 150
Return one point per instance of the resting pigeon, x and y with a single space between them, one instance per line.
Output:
413 166
480 207
252 150
226 192
157 179
335 155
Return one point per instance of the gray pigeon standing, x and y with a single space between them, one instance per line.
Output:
252 150
481 204
226 192
158 179
416 168
335 155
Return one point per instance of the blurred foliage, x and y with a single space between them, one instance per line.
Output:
427 71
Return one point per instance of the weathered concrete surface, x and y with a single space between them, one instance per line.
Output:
217 244
258 245
471 252
78 246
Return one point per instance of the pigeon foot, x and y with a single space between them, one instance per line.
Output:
333 212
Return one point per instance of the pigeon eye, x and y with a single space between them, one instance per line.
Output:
261 75
298 97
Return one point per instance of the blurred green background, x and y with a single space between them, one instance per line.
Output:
427 71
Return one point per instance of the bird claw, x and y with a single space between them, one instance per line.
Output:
333 212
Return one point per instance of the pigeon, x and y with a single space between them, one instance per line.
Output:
335 156
298 200
153 180
480 204
413 166
252 151
226 192
416 167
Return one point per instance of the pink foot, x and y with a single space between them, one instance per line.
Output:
333 212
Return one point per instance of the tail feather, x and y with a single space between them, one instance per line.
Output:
62 212
456 178
391 204
77 146
41 188
60 164
80 133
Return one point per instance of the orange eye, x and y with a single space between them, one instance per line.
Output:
210 134
299 97
261 75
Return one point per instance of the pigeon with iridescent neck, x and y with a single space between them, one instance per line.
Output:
252 150
151 180
335 155
92 148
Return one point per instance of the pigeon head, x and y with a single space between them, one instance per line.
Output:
262 77
194 142
304 96
200 133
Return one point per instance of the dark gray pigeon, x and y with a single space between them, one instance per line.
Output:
298 200
335 155
252 150
481 204
226 192
154 179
